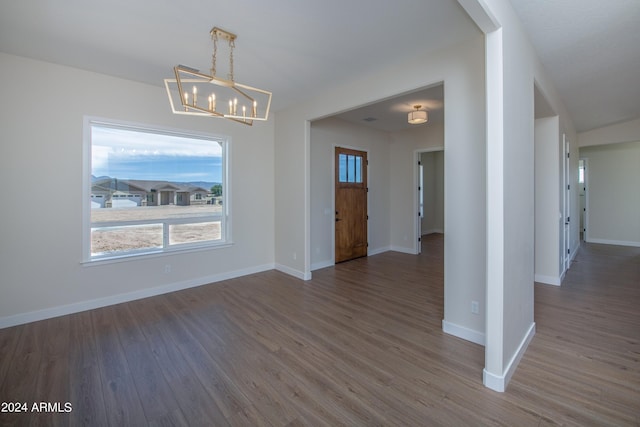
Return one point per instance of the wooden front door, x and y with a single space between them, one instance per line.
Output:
351 204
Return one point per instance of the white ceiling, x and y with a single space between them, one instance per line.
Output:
591 50
298 48
294 48
390 115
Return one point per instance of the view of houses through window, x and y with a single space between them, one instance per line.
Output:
154 191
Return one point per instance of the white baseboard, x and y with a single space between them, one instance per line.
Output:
330 263
403 250
378 250
575 251
63 310
293 272
322 264
432 231
462 332
548 280
614 242
499 382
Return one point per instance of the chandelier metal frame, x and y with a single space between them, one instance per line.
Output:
243 100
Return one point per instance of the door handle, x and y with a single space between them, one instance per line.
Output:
338 219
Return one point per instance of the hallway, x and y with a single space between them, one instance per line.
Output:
584 361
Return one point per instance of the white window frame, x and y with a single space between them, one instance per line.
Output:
224 216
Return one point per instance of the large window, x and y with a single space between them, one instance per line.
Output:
153 190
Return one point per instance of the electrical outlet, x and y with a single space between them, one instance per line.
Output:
295 256
475 307
167 268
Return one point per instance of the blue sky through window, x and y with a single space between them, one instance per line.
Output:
350 168
136 154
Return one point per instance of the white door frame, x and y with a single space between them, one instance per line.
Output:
585 213
420 203
416 198
566 210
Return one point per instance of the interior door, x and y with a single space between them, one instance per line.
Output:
350 204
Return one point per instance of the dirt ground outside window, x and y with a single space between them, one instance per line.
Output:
149 236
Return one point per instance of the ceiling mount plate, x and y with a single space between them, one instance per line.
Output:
222 34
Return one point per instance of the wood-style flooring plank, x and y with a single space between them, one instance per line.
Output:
224 392
19 385
193 399
122 402
583 365
157 398
359 344
52 384
226 350
85 379
9 338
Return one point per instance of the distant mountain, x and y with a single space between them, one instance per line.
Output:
204 184
99 178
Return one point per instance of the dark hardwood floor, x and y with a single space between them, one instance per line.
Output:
360 344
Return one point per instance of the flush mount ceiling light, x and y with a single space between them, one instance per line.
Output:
198 94
418 116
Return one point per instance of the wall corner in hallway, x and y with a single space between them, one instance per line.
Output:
499 382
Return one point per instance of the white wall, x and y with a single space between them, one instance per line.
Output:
326 134
621 132
512 70
41 159
404 173
518 169
461 68
613 191
433 191
547 201
292 193
619 179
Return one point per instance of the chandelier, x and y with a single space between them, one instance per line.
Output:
418 116
198 94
